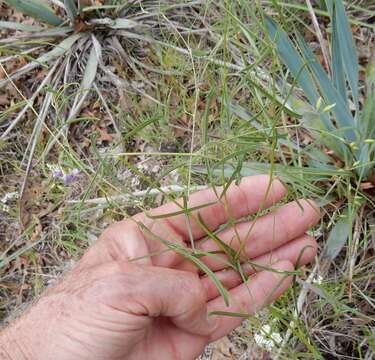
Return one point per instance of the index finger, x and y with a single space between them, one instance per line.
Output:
252 193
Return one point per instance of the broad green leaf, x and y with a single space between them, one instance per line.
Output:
292 60
347 49
338 236
71 9
36 9
18 26
331 96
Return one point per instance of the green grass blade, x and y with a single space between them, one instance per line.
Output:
37 10
71 9
187 254
347 49
225 249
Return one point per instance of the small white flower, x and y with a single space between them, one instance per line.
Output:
7 197
267 339
318 279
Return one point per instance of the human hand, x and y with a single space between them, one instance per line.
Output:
156 307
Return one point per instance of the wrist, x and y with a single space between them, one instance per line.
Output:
12 345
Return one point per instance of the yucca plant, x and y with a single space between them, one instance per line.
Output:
74 50
332 109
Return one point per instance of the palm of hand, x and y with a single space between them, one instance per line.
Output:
156 306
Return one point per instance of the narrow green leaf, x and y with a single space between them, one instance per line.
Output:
230 314
71 9
338 237
179 212
91 69
124 24
59 49
347 49
226 249
292 60
36 9
116 23
5 260
187 254
338 71
329 6
18 26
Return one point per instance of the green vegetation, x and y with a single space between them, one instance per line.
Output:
110 109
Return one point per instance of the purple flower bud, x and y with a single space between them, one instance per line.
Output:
72 176
58 174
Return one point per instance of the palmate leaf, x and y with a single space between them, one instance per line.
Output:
36 9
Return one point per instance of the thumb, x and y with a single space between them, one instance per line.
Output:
178 295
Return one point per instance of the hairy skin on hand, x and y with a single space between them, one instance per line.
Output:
110 307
